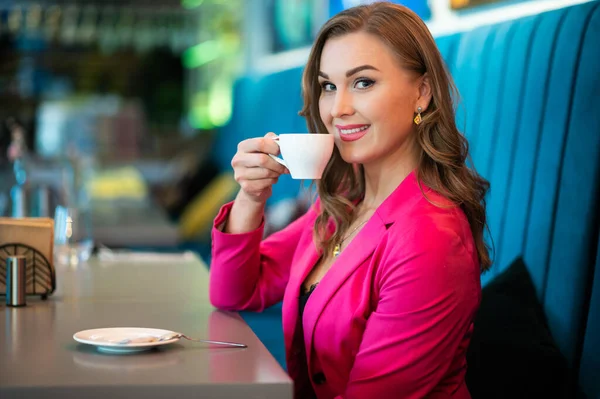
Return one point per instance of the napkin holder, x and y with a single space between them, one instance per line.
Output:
32 238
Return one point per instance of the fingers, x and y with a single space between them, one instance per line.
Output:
266 145
257 188
254 169
254 174
257 160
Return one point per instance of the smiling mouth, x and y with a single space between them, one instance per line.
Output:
352 133
353 130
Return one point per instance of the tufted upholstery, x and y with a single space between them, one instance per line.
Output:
531 91
590 360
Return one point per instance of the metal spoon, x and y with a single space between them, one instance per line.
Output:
170 336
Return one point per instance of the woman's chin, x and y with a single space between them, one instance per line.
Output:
349 159
353 157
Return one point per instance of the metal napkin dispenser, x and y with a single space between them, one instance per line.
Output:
30 239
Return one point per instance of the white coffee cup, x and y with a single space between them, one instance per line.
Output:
305 154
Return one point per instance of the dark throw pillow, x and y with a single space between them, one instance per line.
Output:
512 354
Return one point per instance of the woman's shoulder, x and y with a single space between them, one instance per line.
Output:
432 210
433 239
433 222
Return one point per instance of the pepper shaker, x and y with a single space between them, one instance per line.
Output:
16 273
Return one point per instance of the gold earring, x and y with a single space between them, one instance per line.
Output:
418 118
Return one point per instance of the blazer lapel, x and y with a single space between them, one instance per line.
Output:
362 246
352 257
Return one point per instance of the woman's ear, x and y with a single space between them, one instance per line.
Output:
425 92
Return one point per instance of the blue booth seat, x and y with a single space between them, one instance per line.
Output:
590 359
530 109
531 91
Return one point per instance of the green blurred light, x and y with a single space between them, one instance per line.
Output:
213 108
201 54
198 116
220 102
189 4
199 122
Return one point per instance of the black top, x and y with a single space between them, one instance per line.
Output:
304 298
308 392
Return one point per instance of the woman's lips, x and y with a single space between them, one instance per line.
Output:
353 132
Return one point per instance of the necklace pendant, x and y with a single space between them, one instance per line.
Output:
336 250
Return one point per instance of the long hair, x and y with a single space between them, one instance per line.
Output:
443 149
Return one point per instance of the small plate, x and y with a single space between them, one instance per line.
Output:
107 339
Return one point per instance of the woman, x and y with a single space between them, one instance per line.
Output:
380 278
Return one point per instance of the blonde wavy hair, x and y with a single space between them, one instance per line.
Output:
443 149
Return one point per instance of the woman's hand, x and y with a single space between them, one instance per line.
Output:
254 170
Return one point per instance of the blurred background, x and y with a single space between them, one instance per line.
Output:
119 119
130 110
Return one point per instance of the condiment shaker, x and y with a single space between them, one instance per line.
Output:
16 273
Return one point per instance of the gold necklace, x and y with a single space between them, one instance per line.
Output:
338 247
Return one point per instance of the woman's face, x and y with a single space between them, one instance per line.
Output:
367 100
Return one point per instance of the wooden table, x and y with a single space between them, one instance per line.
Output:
39 358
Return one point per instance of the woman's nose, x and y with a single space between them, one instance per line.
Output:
342 105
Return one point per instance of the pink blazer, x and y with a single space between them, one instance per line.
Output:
393 316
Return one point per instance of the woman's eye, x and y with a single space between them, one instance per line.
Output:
327 86
364 83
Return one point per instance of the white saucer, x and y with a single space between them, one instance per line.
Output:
107 339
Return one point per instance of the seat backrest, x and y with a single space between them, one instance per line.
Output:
590 358
531 91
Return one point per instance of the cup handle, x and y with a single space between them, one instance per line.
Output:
277 159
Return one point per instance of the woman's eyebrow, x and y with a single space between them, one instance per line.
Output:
352 71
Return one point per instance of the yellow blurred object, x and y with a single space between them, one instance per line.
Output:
199 214
459 3
125 182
